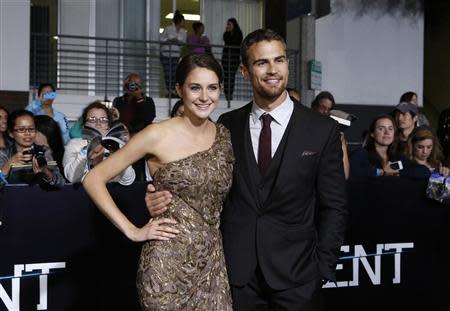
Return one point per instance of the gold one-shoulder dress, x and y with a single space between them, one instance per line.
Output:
188 272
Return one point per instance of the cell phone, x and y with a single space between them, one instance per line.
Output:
397 165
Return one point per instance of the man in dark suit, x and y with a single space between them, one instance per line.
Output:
284 218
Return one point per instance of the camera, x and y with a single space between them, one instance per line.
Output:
343 118
397 165
49 95
111 144
133 86
37 152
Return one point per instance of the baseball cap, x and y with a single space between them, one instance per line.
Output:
407 107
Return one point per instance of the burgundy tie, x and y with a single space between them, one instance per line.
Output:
265 144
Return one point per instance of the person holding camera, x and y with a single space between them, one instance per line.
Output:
424 149
136 111
380 156
134 108
43 105
26 153
79 159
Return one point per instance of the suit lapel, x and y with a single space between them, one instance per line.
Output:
243 151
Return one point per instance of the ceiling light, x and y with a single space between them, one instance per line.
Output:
188 17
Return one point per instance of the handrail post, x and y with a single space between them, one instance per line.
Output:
106 70
34 67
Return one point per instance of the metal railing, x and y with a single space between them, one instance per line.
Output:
97 66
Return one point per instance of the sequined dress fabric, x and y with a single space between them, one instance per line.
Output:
188 272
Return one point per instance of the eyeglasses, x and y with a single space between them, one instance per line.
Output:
102 120
22 130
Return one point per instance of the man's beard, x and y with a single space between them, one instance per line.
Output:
271 94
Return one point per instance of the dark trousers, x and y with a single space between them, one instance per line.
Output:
258 296
170 68
230 67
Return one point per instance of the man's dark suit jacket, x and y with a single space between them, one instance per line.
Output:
290 222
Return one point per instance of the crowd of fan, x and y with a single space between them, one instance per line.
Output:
37 145
401 143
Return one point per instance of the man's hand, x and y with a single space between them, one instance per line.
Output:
157 202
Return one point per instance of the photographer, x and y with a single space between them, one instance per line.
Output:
24 152
136 111
78 160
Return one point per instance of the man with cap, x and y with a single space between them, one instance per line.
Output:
406 118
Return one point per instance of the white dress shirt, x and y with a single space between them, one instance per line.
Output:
280 115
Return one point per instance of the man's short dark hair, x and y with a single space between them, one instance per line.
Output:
258 36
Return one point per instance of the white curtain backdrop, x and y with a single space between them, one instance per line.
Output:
215 13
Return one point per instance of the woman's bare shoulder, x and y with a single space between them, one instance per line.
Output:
156 133
163 127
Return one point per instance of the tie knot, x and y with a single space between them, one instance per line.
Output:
266 119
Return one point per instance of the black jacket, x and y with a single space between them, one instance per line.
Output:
135 115
292 221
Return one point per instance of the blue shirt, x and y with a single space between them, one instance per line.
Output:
36 108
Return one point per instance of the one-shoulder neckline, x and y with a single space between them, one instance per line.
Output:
166 164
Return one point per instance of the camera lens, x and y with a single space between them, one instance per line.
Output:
133 86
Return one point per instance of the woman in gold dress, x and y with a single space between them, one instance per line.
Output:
182 266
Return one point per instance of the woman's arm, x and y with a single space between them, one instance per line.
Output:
145 142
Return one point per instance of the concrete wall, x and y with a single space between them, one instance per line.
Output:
370 58
14 45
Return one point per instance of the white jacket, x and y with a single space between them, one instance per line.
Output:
76 168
